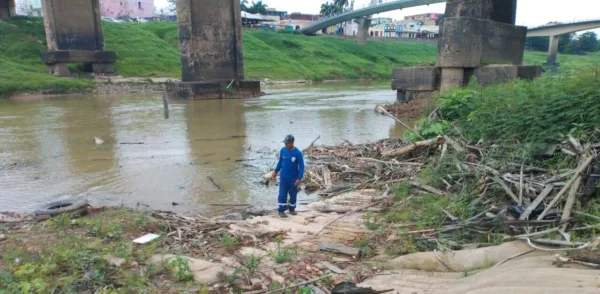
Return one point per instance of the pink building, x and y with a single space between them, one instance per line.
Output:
127 8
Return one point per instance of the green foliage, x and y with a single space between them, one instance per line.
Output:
181 269
227 241
371 222
152 50
284 254
362 243
60 222
429 129
257 7
536 112
252 263
304 290
405 245
401 190
101 229
230 279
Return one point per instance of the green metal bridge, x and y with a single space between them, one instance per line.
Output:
379 8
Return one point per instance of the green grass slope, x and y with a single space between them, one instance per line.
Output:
151 50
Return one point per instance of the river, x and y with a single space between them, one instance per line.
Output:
48 151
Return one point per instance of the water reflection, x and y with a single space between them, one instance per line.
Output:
149 161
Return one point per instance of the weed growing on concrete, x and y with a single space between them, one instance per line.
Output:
230 280
304 290
284 254
228 242
371 222
181 269
274 286
252 263
405 245
363 245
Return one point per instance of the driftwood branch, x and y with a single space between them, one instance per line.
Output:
215 183
313 143
506 188
537 202
569 206
427 188
402 123
586 162
409 148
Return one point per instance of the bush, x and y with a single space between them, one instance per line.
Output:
536 112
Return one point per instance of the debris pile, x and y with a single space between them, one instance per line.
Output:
336 169
539 202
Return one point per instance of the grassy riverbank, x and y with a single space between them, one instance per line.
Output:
151 50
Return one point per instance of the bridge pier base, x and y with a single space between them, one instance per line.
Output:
553 50
210 37
74 35
478 38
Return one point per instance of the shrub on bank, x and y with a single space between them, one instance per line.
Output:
538 112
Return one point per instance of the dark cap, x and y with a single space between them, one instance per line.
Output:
288 139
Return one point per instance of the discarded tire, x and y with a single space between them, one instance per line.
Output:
60 207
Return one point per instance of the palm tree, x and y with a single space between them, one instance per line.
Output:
341 3
257 7
244 5
330 9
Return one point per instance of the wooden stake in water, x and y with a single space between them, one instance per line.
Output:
166 105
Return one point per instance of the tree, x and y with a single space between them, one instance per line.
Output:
340 3
257 7
588 42
564 43
244 5
173 5
537 43
330 9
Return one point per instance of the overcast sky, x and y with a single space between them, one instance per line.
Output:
529 13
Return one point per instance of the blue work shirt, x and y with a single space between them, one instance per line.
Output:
291 164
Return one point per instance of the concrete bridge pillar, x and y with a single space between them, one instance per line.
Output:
478 38
8 9
212 63
553 50
363 30
74 35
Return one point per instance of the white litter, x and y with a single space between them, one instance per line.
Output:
146 238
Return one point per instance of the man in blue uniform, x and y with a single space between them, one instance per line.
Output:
291 165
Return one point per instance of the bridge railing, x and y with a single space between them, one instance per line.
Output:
333 15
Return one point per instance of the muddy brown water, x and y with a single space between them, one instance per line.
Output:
48 151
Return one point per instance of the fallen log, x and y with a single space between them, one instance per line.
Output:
413 146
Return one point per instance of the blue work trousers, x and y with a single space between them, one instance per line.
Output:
287 186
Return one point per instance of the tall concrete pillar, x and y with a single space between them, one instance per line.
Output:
553 50
477 38
363 30
8 9
74 35
212 62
